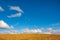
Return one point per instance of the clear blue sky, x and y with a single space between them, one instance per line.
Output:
37 13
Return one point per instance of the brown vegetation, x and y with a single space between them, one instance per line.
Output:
29 37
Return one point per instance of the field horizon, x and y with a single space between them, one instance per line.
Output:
29 19
29 37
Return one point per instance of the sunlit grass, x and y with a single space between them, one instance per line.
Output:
29 37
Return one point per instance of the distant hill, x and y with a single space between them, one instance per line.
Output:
29 37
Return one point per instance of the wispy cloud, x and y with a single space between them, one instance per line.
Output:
16 8
1 9
14 15
55 25
4 24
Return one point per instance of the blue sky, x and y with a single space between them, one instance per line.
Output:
36 13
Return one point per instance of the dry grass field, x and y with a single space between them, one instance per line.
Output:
29 37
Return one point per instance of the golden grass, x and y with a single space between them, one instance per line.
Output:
29 37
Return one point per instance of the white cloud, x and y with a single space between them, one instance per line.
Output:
49 30
21 31
14 15
40 31
16 8
46 33
31 30
3 24
52 31
1 9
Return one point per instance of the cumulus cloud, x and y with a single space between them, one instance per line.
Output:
16 8
40 31
1 9
32 30
4 24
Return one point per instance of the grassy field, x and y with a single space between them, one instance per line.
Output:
29 37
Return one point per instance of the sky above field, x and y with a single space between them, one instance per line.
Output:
30 16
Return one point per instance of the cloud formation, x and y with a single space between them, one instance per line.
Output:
42 31
1 9
32 30
14 15
16 8
28 31
4 24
